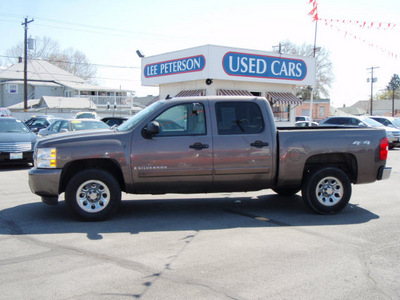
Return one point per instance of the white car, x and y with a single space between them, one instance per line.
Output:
87 115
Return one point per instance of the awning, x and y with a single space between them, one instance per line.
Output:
191 93
283 98
233 93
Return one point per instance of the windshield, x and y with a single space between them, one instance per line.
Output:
372 122
136 119
15 126
396 122
87 115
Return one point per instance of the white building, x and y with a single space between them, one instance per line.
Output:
217 70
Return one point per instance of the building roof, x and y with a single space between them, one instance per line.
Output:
66 102
42 71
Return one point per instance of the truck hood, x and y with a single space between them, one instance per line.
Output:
75 136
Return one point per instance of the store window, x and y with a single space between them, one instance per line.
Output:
13 89
239 118
184 119
281 112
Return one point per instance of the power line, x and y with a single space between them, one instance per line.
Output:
80 63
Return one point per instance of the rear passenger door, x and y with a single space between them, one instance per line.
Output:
242 146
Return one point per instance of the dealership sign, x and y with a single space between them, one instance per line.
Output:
261 66
176 66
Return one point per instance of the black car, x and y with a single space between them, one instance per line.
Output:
16 141
36 123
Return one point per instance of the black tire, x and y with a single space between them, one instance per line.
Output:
93 195
327 190
286 192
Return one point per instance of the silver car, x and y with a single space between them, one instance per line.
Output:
393 134
62 126
16 141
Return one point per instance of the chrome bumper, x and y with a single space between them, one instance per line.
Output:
384 173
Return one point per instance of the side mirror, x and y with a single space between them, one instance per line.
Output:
196 108
151 129
64 130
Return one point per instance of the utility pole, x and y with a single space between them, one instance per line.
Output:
372 86
315 73
25 24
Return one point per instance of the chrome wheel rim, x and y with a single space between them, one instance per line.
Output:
329 191
93 196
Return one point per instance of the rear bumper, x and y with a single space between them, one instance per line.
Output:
384 173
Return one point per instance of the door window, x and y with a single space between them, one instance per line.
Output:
239 118
183 119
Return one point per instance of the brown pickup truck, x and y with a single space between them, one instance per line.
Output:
206 145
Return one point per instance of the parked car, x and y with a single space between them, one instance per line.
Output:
35 123
5 112
388 121
302 118
114 121
17 141
87 115
62 126
305 124
363 121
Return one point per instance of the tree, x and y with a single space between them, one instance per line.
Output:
70 60
324 75
392 89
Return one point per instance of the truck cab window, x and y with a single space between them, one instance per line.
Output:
239 118
183 119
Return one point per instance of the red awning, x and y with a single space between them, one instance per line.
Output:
233 93
283 98
191 93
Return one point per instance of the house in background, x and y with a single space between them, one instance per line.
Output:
45 79
320 108
379 108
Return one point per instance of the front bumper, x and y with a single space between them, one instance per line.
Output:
45 183
6 157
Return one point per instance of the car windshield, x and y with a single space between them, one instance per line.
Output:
86 116
372 122
136 119
14 126
88 125
396 122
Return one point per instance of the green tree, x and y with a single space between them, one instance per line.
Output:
393 85
392 89
324 75
70 60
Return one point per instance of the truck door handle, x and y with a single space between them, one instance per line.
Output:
198 146
259 144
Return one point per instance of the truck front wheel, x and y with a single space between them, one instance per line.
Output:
327 190
93 195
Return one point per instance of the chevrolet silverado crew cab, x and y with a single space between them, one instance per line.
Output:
205 145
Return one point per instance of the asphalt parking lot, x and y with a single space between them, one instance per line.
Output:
222 246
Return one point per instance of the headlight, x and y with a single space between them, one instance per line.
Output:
45 158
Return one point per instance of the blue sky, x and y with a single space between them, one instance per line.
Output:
109 33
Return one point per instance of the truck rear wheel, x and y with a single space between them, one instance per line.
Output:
93 195
327 190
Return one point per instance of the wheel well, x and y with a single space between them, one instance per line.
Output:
343 161
74 167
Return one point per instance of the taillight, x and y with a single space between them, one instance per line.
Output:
384 149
